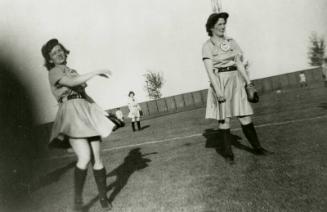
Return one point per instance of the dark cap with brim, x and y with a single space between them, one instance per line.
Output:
46 48
223 15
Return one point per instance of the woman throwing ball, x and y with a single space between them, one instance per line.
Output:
79 123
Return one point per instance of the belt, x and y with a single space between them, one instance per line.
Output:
69 97
225 69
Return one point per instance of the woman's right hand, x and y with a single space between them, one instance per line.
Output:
218 93
221 98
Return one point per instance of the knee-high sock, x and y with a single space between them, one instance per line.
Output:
251 134
139 125
79 180
227 142
101 181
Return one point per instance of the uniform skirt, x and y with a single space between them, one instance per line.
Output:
233 87
78 118
134 113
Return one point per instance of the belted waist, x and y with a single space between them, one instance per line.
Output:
225 69
69 97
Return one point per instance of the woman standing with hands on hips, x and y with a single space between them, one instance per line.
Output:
227 95
79 123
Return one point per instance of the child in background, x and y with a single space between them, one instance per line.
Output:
303 79
134 111
119 114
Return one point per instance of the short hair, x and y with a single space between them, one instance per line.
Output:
46 49
131 92
213 19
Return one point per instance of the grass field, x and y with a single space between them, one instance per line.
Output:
174 163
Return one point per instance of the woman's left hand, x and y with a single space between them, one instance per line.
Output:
106 73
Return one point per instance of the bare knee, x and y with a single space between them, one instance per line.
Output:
82 150
98 164
96 155
83 161
224 124
97 161
245 120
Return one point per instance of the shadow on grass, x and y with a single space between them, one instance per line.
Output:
144 127
51 177
323 105
214 140
133 162
18 144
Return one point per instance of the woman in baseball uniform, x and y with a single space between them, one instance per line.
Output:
134 111
227 96
79 123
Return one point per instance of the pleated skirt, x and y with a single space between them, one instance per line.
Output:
233 87
134 113
78 118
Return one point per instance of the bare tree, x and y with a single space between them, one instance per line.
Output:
154 82
316 50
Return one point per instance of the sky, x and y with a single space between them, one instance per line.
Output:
131 37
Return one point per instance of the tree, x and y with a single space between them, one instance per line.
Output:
316 50
154 82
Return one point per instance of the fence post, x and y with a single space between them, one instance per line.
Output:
175 103
193 101
156 101
147 106
184 103
165 100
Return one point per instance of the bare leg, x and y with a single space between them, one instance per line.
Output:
245 120
225 124
82 150
96 153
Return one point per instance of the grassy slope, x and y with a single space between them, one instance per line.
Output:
186 175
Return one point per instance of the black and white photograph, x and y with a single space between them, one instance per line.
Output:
163 106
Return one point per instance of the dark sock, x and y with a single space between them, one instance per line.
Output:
227 142
139 125
101 182
133 126
79 180
251 134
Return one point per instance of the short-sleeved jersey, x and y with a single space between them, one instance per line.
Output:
221 54
132 103
58 90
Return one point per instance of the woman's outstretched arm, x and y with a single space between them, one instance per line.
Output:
81 79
